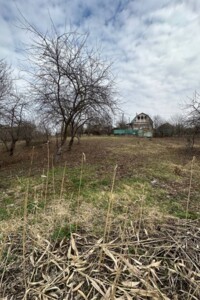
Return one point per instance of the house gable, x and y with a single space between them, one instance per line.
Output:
142 121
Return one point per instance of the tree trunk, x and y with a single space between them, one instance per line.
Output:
62 143
12 147
70 143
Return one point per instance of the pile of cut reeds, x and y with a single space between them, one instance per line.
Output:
163 263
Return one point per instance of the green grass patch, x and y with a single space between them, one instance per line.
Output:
4 214
61 232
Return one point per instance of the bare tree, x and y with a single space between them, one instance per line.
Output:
69 81
193 108
100 124
27 131
11 109
5 136
122 122
5 82
193 119
179 123
157 122
11 119
45 128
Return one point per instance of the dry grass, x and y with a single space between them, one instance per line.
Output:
149 264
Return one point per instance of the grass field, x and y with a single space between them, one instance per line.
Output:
157 171
103 186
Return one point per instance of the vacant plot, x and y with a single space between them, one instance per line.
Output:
116 200
158 171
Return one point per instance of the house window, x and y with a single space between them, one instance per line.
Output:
141 117
138 118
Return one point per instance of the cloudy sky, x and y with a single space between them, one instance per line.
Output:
154 44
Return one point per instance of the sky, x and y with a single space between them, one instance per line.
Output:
154 45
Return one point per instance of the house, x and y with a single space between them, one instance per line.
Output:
143 124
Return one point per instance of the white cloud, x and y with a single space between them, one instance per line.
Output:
154 44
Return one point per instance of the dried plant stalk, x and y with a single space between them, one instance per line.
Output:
108 222
25 208
63 181
190 186
47 176
83 160
53 178
160 269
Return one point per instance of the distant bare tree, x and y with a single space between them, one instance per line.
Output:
44 127
122 122
5 136
100 124
11 119
69 81
157 121
193 107
27 131
5 82
193 119
11 109
179 123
